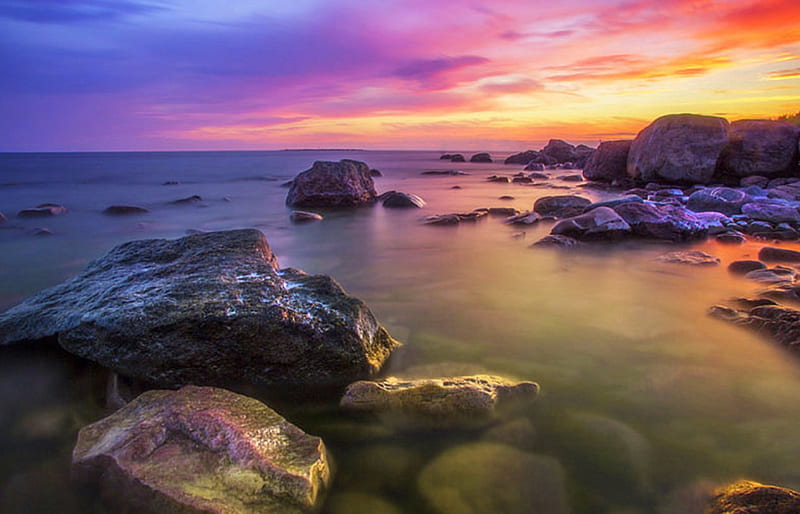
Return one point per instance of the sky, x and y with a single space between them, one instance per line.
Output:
81 75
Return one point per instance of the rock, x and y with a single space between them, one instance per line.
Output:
695 258
718 199
609 162
486 478
522 157
661 221
304 216
777 275
442 219
522 180
398 199
683 148
208 308
503 211
42 232
446 156
457 158
375 173
536 166
481 157
560 151
746 497
44 210
760 147
557 241
171 183
505 197
754 180
124 210
714 222
564 206
518 235
600 223
525 218
771 212
614 202
346 183
518 433
447 402
201 449
770 253
745 266
288 183
455 187
189 199
445 172
496 178
571 178
731 237
3 219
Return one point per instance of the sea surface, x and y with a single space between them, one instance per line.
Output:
646 401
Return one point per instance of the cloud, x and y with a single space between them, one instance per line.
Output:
70 11
793 73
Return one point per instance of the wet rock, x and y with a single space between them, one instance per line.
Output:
557 241
560 151
682 148
346 183
44 210
481 157
598 224
714 222
770 253
201 449
442 219
446 157
754 180
445 172
786 292
208 308
564 206
505 197
609 162
571 178
171 183
497 178
731 237
304 216
375 173
447 402
661 221
536 166
41 232
749 303
455 187
718 199
538 176
771 212
485 478
614 202
760 147
525 218
398 199
745 266
521 180
503 211
457 158
124 210
522 157
188 200
776 275
694 258
746 497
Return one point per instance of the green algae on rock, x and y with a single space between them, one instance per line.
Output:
202 449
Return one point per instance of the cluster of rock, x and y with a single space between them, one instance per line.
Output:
454 157
457 157
556 154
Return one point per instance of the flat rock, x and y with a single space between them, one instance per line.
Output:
346 183
445 172
662 221
496 178
201 449
760 147
609 162
503 211
44 210
402 200
678 148
771 212
745 266
770 253
208 308
445 402
694 258
598 224
562 206
304 216
777 275
124 210
746 497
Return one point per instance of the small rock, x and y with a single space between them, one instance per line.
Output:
346 183
481 157
745 266
457 158
518 235
41 232
770 253
522 180
746 497
525 218
565 206
304 216
444 172
536 166
442 219
718 199
124 210
503 211
506 197
772 275
557 241
43 211
695 258
731 237
171 183
496 178
773 213
571 178
400 200
455 187
375 173
189 199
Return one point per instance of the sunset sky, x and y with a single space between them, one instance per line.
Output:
406 74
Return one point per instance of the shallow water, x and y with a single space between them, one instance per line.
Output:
645 400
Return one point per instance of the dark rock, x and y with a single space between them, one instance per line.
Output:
446 157
694 258
124 210
522 180
538 176
786 292
613 203
171 183
522 157
771 212
444 172
754 180
536 166
201 449
505 197
474 215
503 211
288 183
189 199
481 157
375 173
682 148
565 206
745 497
3 219
41 232
345 183
731 237
208 308
525 218
497 178
571 178
714 222
749 303
760 147
304 216
770 253
443 219
397 199
776 275
600 223
609 162
457 158
44 210
456 187
638 191
557 241
718 199
560 151
670 222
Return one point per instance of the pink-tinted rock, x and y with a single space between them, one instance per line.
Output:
345 183
609 162
760 147
600 223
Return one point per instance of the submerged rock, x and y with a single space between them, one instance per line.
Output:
761 148
609 162
346 183
124 210
208 308
695 258
398 199
525 218
746 497
770 253
600 223
201 449
189 200
445 402
481 157
745 266
44 210
304 216
780 323
557 241
563 206
678 148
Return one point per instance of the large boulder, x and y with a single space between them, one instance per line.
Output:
609 162
600 223
201 449
522 157
678 148
746 497
760 147
561 206
345 183
560 151
209 308
662 221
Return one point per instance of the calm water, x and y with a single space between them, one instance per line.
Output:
645 399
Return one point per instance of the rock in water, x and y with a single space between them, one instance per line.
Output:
662 221
345 183
598 224
42 211
208 308
401 200
201 449
304 216
678 148
564 206
522 157
481 157
770 253
124 210
694 258
746 497
760 147
609 162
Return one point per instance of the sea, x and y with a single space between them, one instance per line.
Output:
646 402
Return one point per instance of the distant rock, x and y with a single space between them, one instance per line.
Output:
582 155
444 172
124 210
457 158
746 497
678 148
496 178
745 266
571 178
505 197
536 166
761 147
398 199
481 157
770 253
661 221
42 232
171 183
609 162
522 180
556 241
726 200
44 210
598 224
694 258
189 199
346 183
560 151
446 157
304 216
443 219
522 157
201 449
563 206
503 211
375 173
208 308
